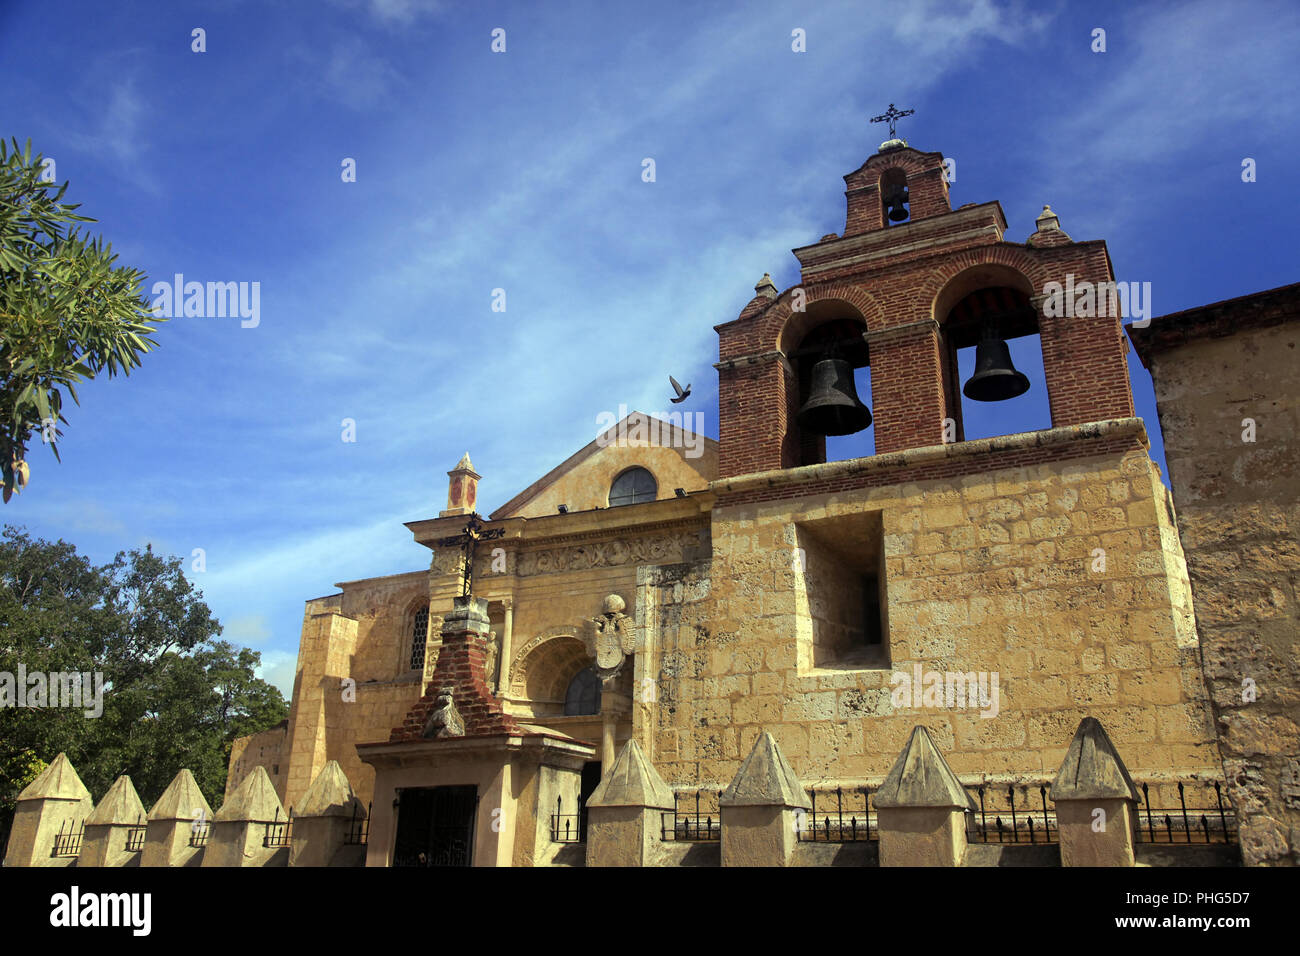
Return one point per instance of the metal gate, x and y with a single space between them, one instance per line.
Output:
435 826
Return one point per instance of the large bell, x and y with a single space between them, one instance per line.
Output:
896 200
833 407
995 378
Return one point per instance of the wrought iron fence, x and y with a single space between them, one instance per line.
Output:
1003 817
1183 824
568 827
67 842
279 834
837 816
702 824
359 828
200 831
135 836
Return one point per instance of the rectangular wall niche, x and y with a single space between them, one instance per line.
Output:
840 615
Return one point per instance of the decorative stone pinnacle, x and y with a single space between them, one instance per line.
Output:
766 287
1047 219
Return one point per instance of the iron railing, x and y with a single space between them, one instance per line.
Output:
568 827
135 836
1184 824
200 831
702 825
843 816
67 842
1001 817
279 834
359 828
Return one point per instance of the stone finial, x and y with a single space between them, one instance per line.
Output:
58 781
765 779
1049 231
254 800
766 287
632 782
921 777
1047 220
330 795
1092 769
182 800
121 805
462 488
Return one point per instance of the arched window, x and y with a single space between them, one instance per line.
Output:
633 487
419 637
583 695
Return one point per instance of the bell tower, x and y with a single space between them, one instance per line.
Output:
911 281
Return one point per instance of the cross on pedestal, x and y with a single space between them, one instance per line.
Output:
468 541
890 116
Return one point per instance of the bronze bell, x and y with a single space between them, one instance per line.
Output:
995 378
833 407
896 198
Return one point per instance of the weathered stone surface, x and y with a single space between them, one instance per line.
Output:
330 795
765 779
922 778
182 800
58 781
121 805
1092 769
254 801
632 782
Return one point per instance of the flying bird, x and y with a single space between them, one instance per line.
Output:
682 393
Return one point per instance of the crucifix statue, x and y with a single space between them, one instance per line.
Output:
468 541
890 116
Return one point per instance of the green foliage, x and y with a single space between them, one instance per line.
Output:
67 313
174 696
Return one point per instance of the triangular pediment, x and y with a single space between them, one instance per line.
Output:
677 455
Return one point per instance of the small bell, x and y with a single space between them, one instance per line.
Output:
896 199
833 407
995 378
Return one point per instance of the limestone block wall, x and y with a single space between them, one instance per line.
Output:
267 750
991 568
1239 517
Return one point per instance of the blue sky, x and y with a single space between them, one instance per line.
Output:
522 171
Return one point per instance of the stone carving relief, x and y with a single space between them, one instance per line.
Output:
610 638
445 719
656 549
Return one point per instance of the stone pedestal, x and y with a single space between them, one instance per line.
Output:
108 828
760 809
329 812
623 814
55 802
1096 801
176 823
240 826
921 808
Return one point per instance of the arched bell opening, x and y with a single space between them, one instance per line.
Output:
830 413
894 197
993 364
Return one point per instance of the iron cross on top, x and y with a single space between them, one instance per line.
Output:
467 541
890 116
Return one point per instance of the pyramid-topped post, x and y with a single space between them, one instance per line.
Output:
623 811
328 825
762 808
921 808
1096 801
179 825
462 489
51 810
243 827
107 838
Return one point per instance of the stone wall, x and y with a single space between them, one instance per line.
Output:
991 567
1239 515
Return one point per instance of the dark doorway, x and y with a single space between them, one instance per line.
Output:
590 781
435 826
